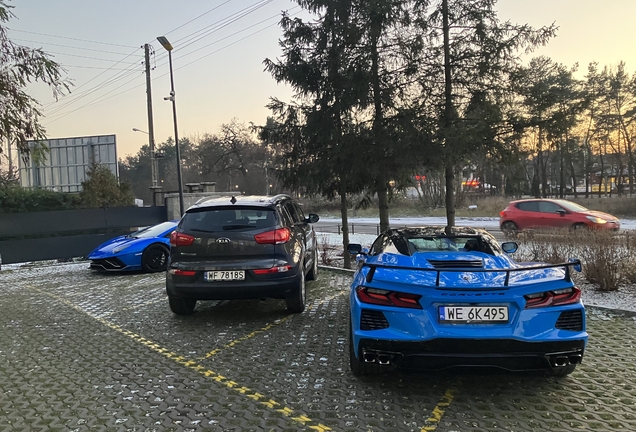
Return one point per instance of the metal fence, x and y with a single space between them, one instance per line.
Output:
68 233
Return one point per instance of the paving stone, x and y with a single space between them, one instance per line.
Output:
88 352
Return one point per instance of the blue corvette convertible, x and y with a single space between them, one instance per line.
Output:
146 249
422 299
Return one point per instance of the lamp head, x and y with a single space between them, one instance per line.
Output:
164 43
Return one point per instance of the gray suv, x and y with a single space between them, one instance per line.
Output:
242 247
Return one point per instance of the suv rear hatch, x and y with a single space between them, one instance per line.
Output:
232 237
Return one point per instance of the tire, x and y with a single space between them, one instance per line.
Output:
296 299
313 273
155 258
510 229
181 305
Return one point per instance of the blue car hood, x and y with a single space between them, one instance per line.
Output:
457 270
117 242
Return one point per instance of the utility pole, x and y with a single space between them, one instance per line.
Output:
151 129
266 180
9 154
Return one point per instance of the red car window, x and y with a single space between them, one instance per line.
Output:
532 206
549 207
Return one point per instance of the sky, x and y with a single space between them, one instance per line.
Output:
219 48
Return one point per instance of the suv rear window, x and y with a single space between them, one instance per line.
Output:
226 219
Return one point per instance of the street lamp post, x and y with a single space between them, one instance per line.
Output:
164 43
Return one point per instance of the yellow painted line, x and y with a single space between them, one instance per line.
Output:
438 412
264 329
193 365
241 339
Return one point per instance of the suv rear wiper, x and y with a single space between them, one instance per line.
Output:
201 230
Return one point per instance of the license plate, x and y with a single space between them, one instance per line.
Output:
473 314
225 275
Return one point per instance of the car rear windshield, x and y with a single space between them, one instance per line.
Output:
228 219
411 245
441 244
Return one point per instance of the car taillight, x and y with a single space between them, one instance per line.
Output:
278 236
388 298
553 298
180 239
178 272
502 213
279 269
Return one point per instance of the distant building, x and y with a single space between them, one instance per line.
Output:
64 168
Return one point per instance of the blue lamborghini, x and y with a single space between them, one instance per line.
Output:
147 249
424 299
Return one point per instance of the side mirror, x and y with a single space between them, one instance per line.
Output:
354 248
561 212
509 247
312 218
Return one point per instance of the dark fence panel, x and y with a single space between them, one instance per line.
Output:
68 233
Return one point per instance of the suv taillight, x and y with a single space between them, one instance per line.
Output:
278 236
180 239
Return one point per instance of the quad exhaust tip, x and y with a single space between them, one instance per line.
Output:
378 357
566 360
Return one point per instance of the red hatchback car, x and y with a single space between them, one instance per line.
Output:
553 213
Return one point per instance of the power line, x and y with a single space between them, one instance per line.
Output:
108 81
229 45
70 38
85 57
196 18
102 98
221 24
93 67
119 76
165 74
101 73
73 99
68 46
229 20
233 34
98 100
218 25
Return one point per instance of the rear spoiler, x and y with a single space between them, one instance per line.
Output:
565 265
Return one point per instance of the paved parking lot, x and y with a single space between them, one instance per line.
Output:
86 352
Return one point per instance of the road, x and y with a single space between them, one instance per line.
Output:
373 228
